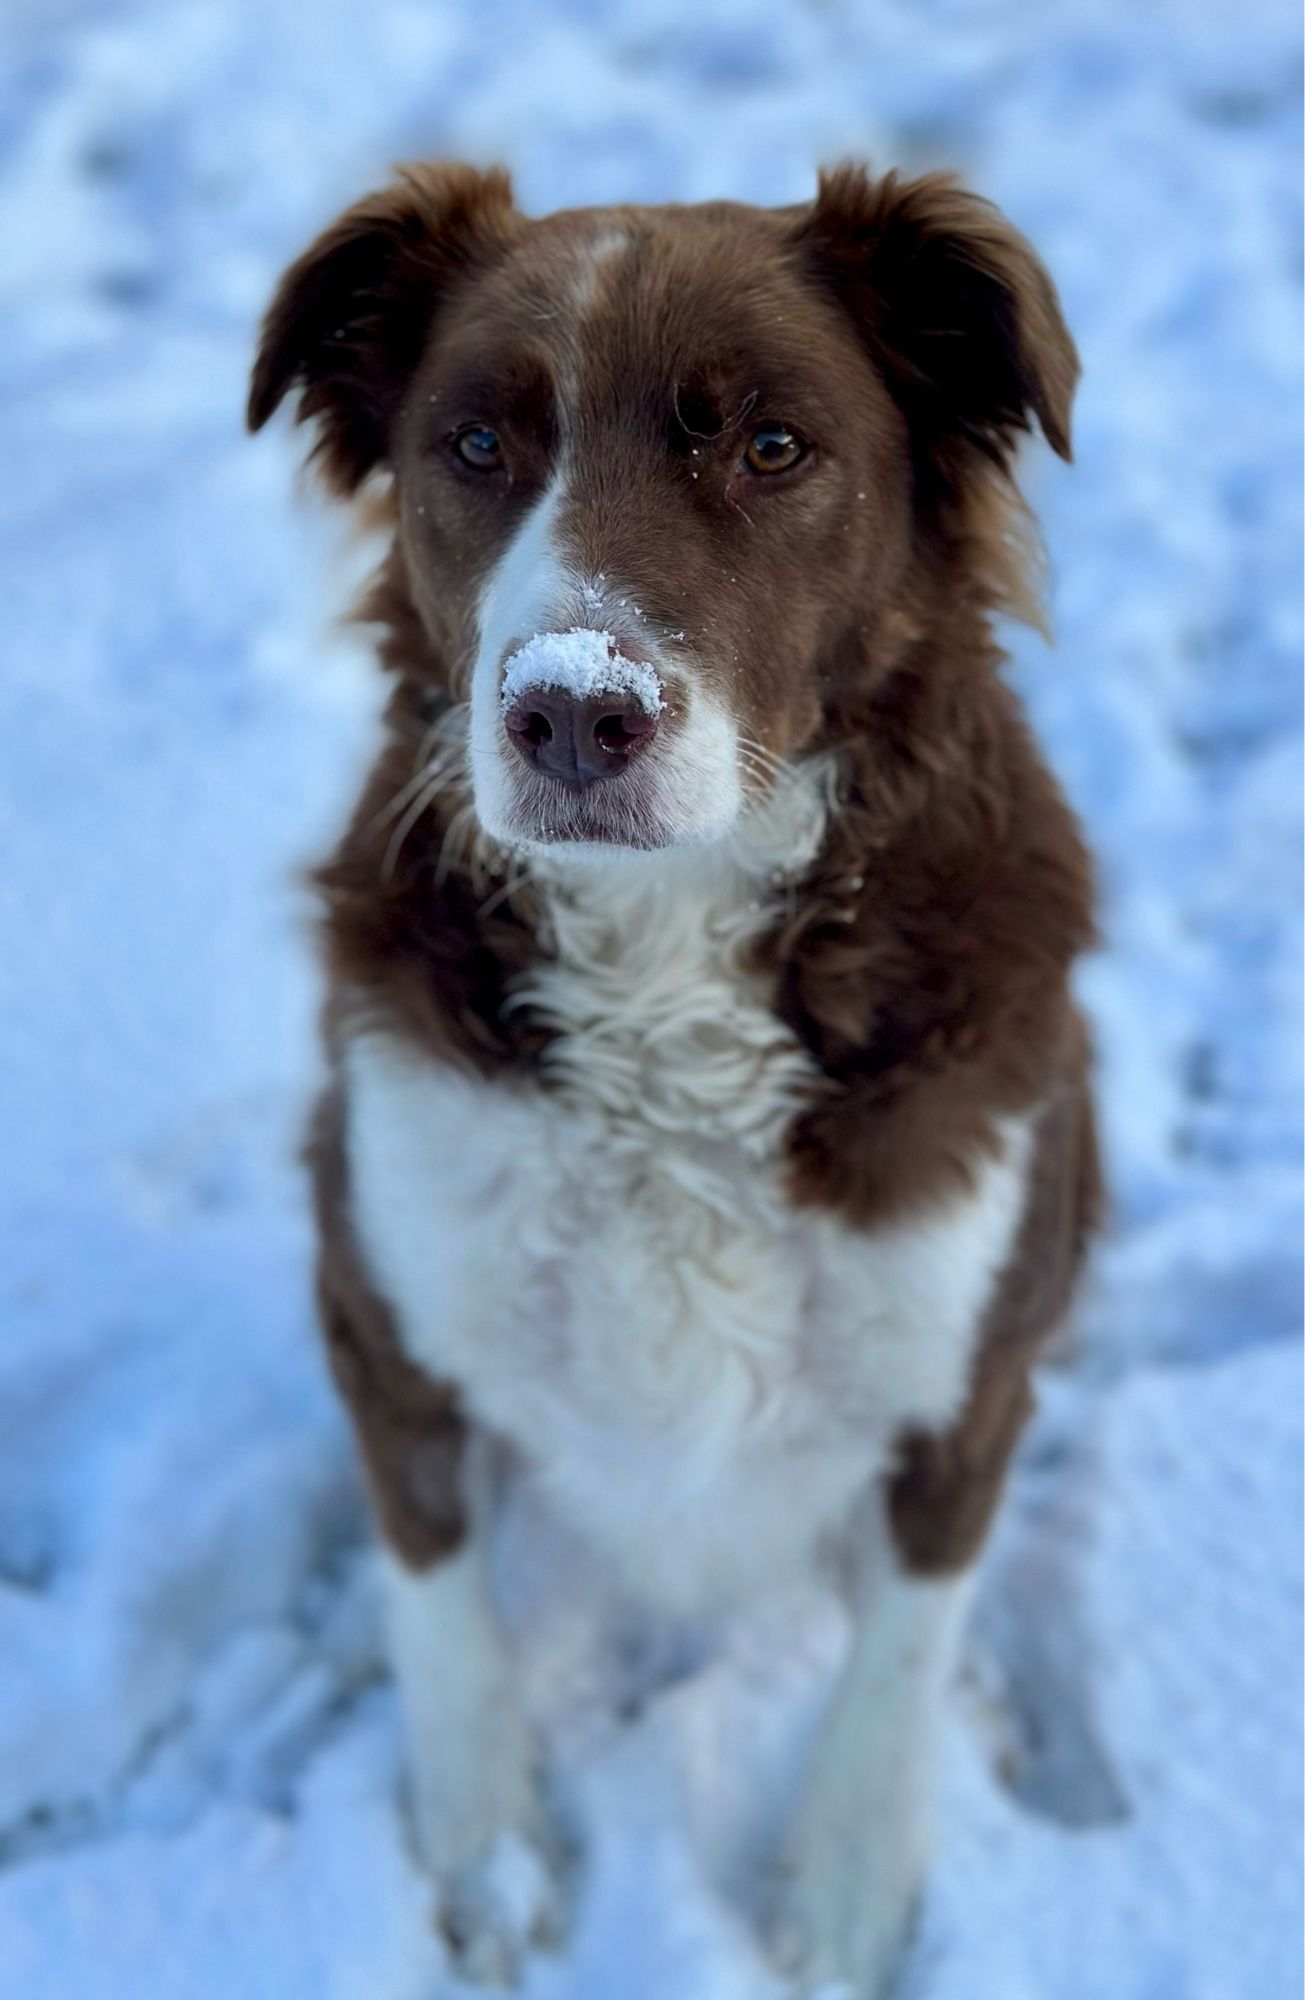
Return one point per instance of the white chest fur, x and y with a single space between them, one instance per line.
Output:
699 1377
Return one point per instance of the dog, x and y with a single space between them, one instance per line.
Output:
708 1146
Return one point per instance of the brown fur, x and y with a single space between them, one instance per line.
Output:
934 993
942 1499
925 963
409 1430
417 935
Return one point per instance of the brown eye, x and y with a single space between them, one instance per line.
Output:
478 447
773 448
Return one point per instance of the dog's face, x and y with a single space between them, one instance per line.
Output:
663 476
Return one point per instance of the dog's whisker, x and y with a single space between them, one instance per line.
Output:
759 752
420 805
503 894
438 773
453 845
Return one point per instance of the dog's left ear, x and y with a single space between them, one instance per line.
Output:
350 319
957 309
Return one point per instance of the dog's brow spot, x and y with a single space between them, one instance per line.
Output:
605 244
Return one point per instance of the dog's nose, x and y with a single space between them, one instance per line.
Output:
577 739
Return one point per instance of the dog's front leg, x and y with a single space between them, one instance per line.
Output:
472 1782
470 1766
855 1862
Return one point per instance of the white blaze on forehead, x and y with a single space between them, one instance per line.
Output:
582 663
528 585
522 594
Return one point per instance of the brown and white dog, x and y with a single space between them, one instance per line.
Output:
708 1148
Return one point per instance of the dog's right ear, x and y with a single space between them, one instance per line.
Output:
350 319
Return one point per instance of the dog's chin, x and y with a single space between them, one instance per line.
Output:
542 817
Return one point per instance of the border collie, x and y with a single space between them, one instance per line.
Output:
708 1147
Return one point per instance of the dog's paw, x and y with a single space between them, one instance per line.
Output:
495 1906
838 1925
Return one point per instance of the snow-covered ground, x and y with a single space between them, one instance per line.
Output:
198 1744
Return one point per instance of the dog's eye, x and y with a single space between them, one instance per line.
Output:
773 448
478 446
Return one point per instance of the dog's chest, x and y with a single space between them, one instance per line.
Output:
606 1264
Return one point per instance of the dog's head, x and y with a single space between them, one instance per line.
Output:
671 484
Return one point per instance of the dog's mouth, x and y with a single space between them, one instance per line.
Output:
555 812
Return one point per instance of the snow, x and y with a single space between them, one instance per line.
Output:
583 663
198 1744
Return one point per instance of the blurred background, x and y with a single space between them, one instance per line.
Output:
198 1743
